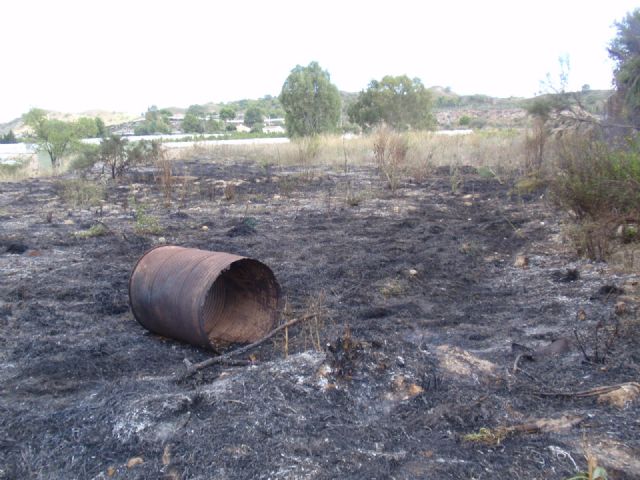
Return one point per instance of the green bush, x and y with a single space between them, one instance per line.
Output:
8 137
97 230
599 183
85 159
146 224
596 180
81 193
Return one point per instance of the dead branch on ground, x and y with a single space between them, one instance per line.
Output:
228 357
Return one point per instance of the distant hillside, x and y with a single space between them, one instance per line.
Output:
450 109
109 118
269 105
477 111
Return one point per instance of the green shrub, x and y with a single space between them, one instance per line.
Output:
464 121
81 193
596 180
146 223
530 183
85 159
599 183
97 230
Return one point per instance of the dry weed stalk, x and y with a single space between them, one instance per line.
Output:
390 153
317 312
229 192
164 177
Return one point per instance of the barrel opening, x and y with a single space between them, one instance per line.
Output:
242 303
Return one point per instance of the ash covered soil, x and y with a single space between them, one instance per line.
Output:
419 309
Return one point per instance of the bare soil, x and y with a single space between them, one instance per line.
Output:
421 312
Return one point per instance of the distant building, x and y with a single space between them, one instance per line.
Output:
273 121
273 129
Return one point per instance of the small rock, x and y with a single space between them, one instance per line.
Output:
132 462
68 221
205 228
161 240
521 261
166 456
620 308
413 272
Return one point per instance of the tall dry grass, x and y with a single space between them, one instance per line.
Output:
500 150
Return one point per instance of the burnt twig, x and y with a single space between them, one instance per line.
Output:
223 359
592 392
579 341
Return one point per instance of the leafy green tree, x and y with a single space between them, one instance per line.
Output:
86 127
113 152
212 125
257 127
9 137
397 101
624 49
197 110
101 127
253 115
193 124
55 137
195 119
465 121
155 121
227 113
310 101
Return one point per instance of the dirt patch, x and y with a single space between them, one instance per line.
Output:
420 305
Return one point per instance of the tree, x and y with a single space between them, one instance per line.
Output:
155 121
55 137
101 127
397 101
197 110
192 124
310 101
212 125
253 115
113 152
9 137
86 127
227 113
624 49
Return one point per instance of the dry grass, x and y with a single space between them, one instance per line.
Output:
164 177
81 193
498 150
13 172
390 153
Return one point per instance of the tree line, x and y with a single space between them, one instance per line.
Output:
312 104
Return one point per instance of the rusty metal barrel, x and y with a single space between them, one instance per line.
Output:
203 298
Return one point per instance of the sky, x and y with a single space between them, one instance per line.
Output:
125 56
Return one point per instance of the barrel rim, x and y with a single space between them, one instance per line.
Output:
133 271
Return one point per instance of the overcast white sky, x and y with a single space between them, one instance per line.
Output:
127 55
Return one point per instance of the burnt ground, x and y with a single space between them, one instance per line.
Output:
420 316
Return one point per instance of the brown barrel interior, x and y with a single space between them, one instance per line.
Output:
242 303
